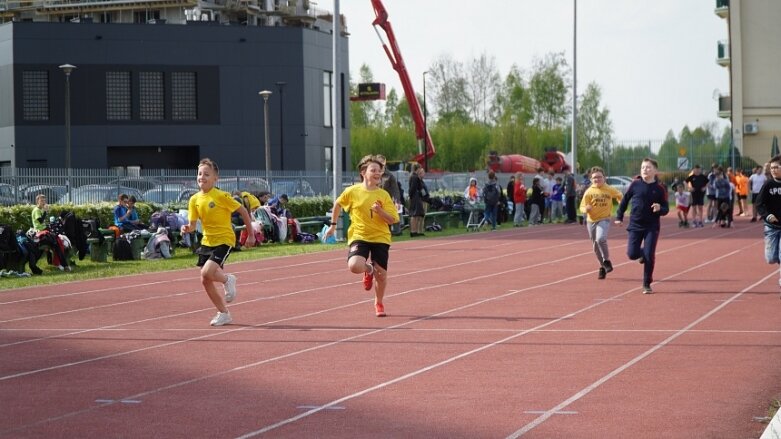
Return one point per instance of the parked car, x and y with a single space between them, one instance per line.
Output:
292 187
169 193
242 184
53 193
619 182
96 193
142 184
7 196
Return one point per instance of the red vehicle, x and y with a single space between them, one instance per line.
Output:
426 148
511 163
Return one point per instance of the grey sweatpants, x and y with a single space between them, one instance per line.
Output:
597 233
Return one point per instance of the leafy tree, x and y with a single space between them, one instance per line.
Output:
548 87
482 86
595 128
449 89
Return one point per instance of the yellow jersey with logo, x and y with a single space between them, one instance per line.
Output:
601 200
214 209
365 225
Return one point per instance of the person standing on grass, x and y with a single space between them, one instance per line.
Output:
371 212
768 207
214 208
648 200
597 205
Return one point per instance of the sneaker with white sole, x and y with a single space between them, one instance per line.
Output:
647 289
230 287
222 318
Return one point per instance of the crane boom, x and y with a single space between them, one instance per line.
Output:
426 148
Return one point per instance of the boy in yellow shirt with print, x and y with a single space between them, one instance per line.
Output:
371 212
597 205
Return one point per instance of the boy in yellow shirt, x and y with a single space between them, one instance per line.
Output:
597 205
214 208
371 212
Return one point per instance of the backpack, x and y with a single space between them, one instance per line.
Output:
7 239
92 229
123 251
491 194
305 238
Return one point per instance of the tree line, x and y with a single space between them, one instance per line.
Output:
473 109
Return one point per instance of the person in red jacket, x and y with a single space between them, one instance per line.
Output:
519 198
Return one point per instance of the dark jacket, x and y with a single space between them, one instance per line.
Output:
769 201
642 195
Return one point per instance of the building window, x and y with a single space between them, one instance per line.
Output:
35 95
184 96
151 96
328 90
118 96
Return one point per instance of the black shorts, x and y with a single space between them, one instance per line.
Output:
742 197
754 198
217 254
698 198
378 252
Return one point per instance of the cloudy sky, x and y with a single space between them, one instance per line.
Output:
655 61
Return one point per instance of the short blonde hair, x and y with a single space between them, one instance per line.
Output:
210 163
39 197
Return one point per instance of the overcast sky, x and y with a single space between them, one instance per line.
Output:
655 61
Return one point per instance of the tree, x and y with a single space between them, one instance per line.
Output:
482 86
595 129
548 88
448 88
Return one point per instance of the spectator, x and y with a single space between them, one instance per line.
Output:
570 192
537 202
492 193
418 199
40 215
755 182
682 202
557 200
472 192
510 191
519 198
698 184
741 188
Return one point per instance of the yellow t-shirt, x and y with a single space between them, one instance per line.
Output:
601 200
214 209
365 225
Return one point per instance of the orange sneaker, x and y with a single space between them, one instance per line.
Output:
368 280
380 310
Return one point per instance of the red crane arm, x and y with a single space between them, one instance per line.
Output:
394 55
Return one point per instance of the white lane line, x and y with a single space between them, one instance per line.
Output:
404 377
585 391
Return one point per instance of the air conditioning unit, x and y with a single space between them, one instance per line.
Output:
750 128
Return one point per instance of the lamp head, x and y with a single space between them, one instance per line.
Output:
265 94
67 68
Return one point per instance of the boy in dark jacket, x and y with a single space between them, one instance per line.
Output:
648 200
768 207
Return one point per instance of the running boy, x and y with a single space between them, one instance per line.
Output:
214 208
648 198
682 202
371 212
768 207
597 205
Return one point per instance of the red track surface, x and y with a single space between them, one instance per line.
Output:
488 335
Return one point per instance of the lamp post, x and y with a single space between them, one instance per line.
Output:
67 69
280 86
425 126
265 94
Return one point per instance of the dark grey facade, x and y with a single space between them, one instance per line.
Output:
165 95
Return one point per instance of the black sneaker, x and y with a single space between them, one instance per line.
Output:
647 289
608 266
602 273
641 260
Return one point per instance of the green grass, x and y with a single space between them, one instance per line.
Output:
183 259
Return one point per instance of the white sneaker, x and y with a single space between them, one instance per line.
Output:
230 287
222 318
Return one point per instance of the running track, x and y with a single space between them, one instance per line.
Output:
489 335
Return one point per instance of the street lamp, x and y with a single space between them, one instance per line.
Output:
280 86
265 94
67 69
425 126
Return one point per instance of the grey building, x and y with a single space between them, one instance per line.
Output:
163 93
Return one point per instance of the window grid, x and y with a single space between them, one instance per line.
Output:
327 98
35 95
152 96
118 96
184 96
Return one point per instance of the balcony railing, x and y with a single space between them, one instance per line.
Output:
722 8
722 53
